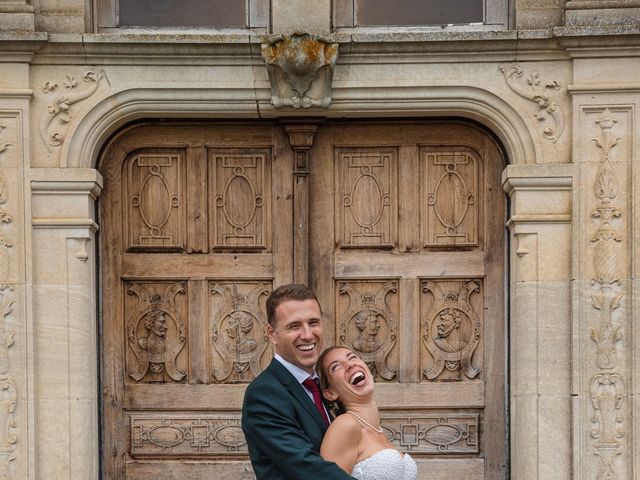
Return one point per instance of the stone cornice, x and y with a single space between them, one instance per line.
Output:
204 48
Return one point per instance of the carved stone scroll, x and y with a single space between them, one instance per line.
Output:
241 198
239 343
451 328
450 182
367 313
59 113
300 69
367 198
156 332
537 92
176 436
443 434
154 201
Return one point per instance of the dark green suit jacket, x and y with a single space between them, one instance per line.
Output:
284 430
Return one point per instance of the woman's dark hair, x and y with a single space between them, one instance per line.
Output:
336 406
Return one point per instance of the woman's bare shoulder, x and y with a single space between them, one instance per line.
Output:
346 424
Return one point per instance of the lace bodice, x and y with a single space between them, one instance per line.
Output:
387 464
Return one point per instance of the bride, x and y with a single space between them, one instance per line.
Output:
355 440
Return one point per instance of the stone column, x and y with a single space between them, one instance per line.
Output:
65 325
602 12
540 320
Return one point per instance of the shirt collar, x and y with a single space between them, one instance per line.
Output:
300 374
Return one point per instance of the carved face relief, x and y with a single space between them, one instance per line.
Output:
451 334
155 333
368 325
452 329
238 323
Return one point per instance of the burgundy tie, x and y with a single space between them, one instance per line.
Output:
312 385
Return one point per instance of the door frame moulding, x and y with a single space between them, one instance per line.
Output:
89 133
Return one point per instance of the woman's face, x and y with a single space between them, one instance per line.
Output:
347 375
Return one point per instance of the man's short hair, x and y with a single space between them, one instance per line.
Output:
284 293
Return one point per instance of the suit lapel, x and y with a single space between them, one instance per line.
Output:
297 391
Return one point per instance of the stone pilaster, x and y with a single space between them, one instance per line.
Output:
65 331
540 396
605 380
16 16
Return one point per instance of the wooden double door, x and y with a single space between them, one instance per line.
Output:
399 228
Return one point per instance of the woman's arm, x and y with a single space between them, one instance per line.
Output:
341 443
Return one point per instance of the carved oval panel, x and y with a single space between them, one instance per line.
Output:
451 199
166 436
155 201
230 436
367 201
442 435
239 202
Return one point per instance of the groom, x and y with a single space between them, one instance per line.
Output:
283 417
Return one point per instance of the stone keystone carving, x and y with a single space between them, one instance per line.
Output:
300 69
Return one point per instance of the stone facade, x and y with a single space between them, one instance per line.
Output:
559 88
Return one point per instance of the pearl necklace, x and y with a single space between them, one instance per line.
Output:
364 422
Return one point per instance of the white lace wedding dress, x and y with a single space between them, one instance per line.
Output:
387 464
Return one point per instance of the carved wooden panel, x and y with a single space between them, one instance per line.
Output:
450 182
154 200
156 332
240 182
451 326
366 197
240 348
367 313
439 433
192 435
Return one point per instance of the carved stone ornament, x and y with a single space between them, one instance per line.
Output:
8 387
300 69
369 327
238 333
606 240
607 398
537 93
452 332
3 145
59 113
156 333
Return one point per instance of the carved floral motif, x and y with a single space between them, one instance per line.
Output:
238 331
452 329
156 332
537 93
368 325
59 111
300 69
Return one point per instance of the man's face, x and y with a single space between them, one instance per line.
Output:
297 334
